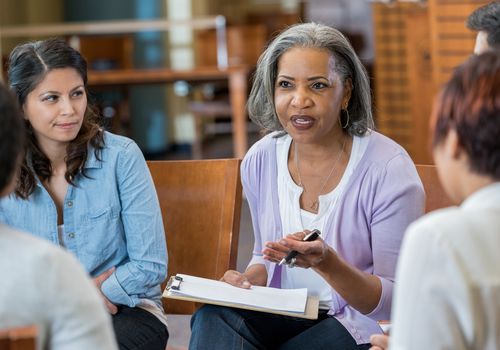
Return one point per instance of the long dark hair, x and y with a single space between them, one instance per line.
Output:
29 63
11 136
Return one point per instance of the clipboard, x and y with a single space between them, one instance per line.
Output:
207 291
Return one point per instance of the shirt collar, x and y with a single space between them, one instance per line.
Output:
485 198
92 161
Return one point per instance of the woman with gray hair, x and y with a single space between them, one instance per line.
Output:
322 167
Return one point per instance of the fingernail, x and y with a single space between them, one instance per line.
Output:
246 284
283 242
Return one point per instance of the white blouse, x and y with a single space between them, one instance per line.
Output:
448 290
294 219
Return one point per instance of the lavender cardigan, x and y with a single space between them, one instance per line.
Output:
382 197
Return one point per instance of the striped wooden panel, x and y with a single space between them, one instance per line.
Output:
451 41
402 74
390 70
420 75
457 44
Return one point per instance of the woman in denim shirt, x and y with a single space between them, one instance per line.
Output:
89 191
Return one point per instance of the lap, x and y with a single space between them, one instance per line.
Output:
327 334
138 329
265 331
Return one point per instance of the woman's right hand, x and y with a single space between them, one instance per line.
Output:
112 309
236 279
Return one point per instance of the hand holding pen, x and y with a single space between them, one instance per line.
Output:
290 259
283 251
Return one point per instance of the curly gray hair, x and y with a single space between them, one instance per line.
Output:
261 106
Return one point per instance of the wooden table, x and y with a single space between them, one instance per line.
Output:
237 77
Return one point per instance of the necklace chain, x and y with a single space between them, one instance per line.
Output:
315 204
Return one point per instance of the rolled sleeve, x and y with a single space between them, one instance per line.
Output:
112 289
383 310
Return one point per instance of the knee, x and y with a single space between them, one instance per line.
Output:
206 314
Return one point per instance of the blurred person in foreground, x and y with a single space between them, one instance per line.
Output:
448 290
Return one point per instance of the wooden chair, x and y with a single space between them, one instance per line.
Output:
245 43
110 53
201 205
436 197
19 338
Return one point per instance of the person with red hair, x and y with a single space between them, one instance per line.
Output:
448 290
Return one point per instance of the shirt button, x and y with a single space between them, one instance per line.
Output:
69 203
71 235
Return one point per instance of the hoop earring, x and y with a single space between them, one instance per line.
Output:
347 119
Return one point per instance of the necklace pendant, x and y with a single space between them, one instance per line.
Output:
314 206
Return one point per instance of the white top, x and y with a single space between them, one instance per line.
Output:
295 219
45 286
448 290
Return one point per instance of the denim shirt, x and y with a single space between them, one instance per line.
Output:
112 218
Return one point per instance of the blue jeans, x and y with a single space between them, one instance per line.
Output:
138 329
218 327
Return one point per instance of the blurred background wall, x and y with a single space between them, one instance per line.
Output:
408 48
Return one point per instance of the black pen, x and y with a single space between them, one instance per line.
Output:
311 236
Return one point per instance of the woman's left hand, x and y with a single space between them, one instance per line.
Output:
310 253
